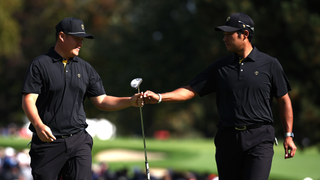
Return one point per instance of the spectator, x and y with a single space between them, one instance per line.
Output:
10 168
24 164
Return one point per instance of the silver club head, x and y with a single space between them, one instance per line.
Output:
135 83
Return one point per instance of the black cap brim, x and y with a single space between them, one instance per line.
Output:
89 36
226 28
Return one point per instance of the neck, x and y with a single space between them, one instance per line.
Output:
244 52
61 52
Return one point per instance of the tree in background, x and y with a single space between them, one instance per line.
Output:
10 62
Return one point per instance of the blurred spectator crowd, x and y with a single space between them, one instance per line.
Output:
14 165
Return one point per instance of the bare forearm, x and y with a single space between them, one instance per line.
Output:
112 103
179 95
30 109
286 113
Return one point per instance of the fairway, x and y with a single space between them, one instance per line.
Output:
195 155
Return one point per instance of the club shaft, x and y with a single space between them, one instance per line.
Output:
144 142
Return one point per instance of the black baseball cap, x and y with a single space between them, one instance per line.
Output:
237 21
73 26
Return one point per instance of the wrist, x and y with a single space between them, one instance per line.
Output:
37 123
160 98
289 134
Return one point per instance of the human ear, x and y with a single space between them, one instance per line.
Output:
245 34
62 36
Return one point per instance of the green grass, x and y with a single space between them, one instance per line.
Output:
304 164
198 155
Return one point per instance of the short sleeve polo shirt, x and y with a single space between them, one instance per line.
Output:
244 90
62 91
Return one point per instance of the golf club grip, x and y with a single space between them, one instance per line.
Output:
147 170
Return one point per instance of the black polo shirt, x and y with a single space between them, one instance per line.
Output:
62 91
244 91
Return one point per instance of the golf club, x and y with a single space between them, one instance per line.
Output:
135 83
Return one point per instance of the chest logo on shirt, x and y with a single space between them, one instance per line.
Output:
79 75
256 73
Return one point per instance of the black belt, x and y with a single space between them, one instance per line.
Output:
68 135
242 128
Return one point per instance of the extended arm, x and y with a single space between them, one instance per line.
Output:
112 103
31 111
179 95
286 116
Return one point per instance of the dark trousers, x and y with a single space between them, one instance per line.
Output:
244 155
69 158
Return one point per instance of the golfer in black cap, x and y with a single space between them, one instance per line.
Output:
245 83
54 90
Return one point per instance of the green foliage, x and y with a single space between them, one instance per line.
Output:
166 43
9 29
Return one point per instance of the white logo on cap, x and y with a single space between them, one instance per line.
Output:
228 19
82 26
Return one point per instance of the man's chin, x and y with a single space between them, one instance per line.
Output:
75 54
